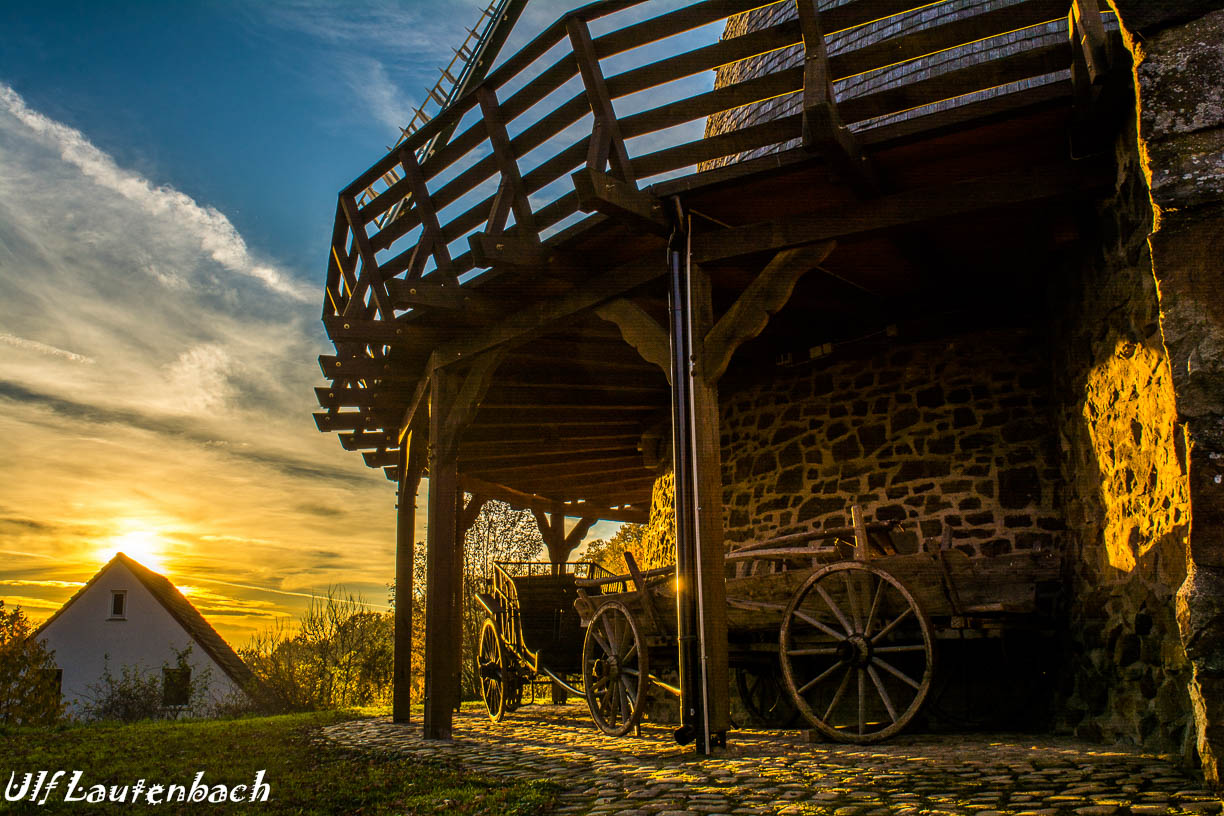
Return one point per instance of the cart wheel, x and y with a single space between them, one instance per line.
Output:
856 652
764 695
615 669
496 678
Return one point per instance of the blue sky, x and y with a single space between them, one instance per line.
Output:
168 180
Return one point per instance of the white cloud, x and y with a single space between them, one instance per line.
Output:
43 348
214 232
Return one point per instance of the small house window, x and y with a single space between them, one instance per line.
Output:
176 687
118 607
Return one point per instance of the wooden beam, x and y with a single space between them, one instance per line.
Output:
469 397
607 143
364 440
760 300
1021 186
520 499
823 129
467 517
708 511
431 240
511 194
343 329
413 408
429 294
508 250
411 462
600 192
1090 39
371 275
583 464
639 330
521 325
444 567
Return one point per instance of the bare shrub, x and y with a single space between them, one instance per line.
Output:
339 654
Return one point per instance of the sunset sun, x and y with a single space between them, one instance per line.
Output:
145 546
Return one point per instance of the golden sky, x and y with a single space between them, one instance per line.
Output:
156 391
155 397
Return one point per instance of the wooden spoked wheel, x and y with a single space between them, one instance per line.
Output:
765 697
856 652
496 678
615 669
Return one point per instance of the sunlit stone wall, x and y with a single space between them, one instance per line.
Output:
1126 490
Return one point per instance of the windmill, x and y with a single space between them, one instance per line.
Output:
468 66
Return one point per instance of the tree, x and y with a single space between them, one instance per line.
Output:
29 691
499 533
340 655
610 553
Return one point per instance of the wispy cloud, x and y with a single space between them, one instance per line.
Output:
214 232
157 378
43 348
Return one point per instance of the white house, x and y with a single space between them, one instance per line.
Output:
128 615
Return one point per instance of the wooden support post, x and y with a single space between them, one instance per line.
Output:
607 144
1089 33
823 129
444 567
708 506
410 464
371 275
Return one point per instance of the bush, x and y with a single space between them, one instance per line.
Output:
340 656
29 691
173 692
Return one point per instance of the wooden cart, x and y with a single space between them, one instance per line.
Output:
531 633
835 625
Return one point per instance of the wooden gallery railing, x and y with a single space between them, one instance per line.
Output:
386 273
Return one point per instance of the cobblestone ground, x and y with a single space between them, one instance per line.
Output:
773 772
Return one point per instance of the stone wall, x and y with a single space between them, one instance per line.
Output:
1178 47
1125 489
952 432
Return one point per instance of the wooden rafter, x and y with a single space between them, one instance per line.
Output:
607 146
511 195
748 316
371 277
639 330
431 240
899 209
823 128
524 500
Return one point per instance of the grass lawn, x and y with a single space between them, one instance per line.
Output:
304 777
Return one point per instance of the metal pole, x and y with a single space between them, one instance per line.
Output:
692 714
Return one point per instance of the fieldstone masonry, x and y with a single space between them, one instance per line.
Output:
1099 429
1178 49
951 433
1125 492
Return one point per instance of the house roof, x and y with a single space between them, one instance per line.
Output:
181 609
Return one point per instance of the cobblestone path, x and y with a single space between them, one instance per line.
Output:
771 772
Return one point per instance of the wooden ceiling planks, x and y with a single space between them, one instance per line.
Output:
568 383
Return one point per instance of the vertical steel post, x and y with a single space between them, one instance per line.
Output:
692 709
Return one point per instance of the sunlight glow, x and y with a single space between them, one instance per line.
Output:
141 544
